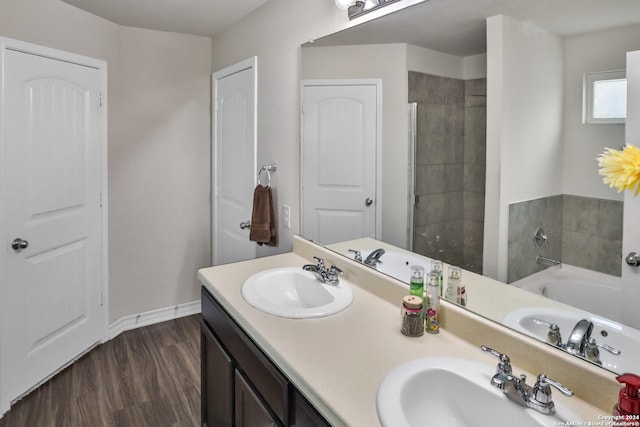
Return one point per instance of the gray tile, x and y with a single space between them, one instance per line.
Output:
473 234
580 214
473 206
610 218
610 257
579 249
474 178
521 260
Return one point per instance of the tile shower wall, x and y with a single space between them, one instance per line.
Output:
582 231
450 168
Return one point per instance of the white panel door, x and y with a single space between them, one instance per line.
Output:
631 224
234 162
339 161
51 296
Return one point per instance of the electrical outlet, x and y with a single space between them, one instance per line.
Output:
286 216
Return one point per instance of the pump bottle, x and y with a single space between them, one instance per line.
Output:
628 406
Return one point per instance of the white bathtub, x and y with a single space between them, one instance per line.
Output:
588 290
597 295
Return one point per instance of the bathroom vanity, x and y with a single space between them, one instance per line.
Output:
261 369
239 382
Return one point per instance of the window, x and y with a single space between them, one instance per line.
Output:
604 97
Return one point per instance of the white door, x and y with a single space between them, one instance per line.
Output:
340 133
631 224
234 161
51 292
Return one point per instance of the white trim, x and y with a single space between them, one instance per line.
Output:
247 64
152 317
347 82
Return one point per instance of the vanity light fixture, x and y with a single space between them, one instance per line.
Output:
358 7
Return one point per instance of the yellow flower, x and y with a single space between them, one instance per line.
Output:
621 169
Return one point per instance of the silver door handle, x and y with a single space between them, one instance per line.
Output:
633 259
368 201
18 244
245 224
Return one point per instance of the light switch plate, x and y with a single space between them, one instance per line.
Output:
286 216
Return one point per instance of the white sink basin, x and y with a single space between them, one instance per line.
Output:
295 293
605 331
453 392
398 264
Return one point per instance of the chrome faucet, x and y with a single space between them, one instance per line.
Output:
374 258
323 274
537 397
580 342
579 337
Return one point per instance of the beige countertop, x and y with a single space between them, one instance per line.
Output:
339 361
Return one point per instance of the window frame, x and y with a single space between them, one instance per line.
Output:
587 95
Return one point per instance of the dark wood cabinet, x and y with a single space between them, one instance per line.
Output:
241 386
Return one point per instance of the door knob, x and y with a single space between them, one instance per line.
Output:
245 224
368 201
633 259
18 244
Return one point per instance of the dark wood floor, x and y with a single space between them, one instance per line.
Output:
143 377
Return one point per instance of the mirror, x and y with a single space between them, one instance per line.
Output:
538 167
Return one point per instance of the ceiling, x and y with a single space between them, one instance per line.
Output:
198 17
459 26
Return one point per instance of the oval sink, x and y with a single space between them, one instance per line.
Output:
453 392
398 264
295 293
605 331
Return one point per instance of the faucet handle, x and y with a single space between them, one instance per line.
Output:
553 336
320 261
504 366
542 391
357 255
332 275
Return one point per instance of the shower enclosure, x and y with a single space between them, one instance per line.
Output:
449 164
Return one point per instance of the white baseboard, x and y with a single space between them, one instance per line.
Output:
151 317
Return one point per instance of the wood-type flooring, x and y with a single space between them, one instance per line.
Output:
144 377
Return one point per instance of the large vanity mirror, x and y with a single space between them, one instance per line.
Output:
499 173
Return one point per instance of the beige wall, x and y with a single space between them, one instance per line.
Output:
387 62
274 34
599 51
524 126
158 98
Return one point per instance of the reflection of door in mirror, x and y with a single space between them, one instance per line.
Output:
339 152
450 168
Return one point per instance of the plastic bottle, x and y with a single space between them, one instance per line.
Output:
432 319
416 284
628 406
453 284
436 270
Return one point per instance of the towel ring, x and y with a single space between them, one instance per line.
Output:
268 169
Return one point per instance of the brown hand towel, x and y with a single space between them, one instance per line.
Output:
263 225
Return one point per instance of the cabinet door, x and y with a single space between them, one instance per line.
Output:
306 415
250 411
217 381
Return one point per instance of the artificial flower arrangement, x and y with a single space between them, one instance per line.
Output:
621 168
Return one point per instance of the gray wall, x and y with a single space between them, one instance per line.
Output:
582 231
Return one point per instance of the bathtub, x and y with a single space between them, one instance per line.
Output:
598 296
588 290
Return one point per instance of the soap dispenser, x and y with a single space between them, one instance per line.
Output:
628 406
